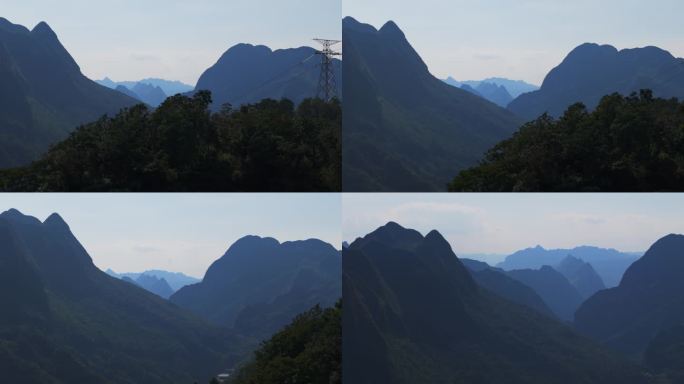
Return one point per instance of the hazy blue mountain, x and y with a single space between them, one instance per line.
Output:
150 94
496 281
558 294
247 74
65 321
155 285
581 275
649 300
175 280
593 71
514 87
497 94
404 129
259 284
610 264
472 90
170 88
127 92
43 94
413 314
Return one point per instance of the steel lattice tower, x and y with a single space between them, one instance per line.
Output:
327 86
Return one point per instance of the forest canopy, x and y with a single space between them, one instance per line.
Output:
181 146
627 144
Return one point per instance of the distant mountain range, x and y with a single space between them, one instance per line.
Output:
404 129
170 88
413 314
581 275
593 71
175 280
43 96
65 321
275 281
609 264
247 74
498 90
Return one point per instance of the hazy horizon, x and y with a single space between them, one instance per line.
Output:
520 40
129 40
501 224
181 232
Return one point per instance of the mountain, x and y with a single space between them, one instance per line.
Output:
65 321
44 96
155 285
593 71
169 87
152 95
496 281
581 275
311 345
404 129
413 314
649 300
665 353
497 94
127 92
247 74
275 281
514 87
556 291
610 264
175 280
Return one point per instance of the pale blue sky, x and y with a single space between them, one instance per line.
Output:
505 223
173 39
181 232
521 39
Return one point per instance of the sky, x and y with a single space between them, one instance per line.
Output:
181 232
172 39
504 223
521 39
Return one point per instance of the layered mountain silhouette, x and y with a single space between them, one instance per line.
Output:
259 284
169 87
610 264
413 314
649 300
247 74
497 94
404 129
581 275
593 71
556 291
44 96
65 321
514 87
176 280
152 284
497 281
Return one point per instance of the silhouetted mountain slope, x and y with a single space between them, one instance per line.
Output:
176 280
75 324
514 87
43 95
581 275
610 264
404 129
665 354
260 285
497 94
556 291
308 350
506 287
247 74
650 299
413 314
149 94
593 71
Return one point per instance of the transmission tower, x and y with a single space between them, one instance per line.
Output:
327 86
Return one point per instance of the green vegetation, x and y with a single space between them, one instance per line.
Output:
633 143
182 146
309 350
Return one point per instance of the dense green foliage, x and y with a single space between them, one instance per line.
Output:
633 143
306 351
182 146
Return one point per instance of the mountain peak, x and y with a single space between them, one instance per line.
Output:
14 215
56 221
391 27
43 29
